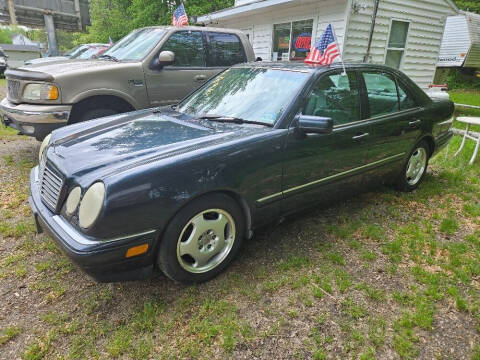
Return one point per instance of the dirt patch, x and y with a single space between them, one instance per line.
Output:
376 276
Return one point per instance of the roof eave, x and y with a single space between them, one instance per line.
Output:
453 6
232 11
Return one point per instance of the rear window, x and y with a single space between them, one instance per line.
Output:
224 49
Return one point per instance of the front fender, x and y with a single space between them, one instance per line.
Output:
149 195
106 92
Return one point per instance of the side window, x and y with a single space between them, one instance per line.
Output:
335 96
188 48
224 49
382 93
406 100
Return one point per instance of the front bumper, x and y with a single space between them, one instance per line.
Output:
104 260
34 120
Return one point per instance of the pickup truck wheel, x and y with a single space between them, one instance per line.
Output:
97 113
202 239
415 169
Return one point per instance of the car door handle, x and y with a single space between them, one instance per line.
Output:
360 136
415 123
200 78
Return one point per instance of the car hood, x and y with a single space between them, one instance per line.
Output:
53 69
46 59
110 145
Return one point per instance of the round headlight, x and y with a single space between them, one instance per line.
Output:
44 145
73 200
91 205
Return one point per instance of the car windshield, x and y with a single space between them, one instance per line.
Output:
253 94
76 51
89 53
136 45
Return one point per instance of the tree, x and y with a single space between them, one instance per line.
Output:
116 18
469 5
110 18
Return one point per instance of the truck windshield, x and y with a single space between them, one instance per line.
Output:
136 45
250 93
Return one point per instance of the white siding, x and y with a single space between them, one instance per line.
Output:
260 23
427 19
456 42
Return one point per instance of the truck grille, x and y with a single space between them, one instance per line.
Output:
50 188
13 89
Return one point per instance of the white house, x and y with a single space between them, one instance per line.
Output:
461 41
405 34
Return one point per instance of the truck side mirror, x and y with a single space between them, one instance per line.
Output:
166 58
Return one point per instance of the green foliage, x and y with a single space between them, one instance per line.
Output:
116 18
462 79
5 36
469 5
65 39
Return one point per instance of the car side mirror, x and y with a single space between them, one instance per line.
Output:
166 58
314 124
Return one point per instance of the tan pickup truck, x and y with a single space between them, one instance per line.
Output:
150 67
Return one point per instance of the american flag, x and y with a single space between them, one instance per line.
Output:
179 17
325 50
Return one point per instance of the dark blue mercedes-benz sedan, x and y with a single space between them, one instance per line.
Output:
180 187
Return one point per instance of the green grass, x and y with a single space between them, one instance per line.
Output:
449 226
467 97
9 333
374 272
9 133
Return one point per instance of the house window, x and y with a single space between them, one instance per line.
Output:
397 43
292 40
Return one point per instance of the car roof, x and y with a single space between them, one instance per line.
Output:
197 28
311 68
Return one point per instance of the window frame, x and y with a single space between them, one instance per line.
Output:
206 40
290 41
366 100
360 96
404 49
173 67
407 91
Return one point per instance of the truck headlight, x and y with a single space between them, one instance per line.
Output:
44 145
73 200
91 205
40 92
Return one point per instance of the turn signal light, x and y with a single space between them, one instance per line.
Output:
136 250
53 93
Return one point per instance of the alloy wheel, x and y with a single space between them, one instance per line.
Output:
416 166
206 241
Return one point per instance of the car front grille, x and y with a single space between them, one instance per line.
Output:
50 188
13 89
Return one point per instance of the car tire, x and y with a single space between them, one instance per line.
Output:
97 113
202 239
415 168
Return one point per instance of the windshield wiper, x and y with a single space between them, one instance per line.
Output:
108 57
231 119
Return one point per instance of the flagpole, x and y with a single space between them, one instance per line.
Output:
340 51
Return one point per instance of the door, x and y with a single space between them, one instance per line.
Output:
319 167
395 117
172 83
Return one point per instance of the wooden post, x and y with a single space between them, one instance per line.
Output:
51 36
11 11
